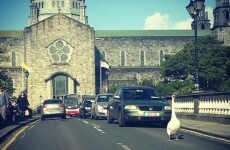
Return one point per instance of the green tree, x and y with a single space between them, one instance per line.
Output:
113 88
214 66
5 80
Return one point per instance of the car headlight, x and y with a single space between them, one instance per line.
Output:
130 107
100 108
87 108
168 107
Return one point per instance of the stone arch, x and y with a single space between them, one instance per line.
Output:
61 83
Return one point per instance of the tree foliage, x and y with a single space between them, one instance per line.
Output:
5 80
214 68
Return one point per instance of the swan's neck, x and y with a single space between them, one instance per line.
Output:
173 109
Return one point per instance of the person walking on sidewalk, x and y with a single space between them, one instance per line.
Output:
23 104
4 102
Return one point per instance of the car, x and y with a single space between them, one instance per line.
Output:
53 108
99 106
138 104
85 106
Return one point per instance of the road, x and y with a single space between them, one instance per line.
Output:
87 134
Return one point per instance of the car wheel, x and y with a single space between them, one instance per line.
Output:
164 124
109 118
83 115
42 118
96 117
121 121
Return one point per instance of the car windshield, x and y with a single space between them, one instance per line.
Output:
71 102
88 103
53 101
103 98
140 94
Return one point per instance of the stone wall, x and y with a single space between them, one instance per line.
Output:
132 72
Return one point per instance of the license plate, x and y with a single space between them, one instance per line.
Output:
151 114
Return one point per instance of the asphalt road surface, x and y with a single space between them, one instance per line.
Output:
87 134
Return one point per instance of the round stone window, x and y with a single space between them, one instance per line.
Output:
60 52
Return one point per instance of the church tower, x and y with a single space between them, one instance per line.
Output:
221 27
33 18
42 9
203 23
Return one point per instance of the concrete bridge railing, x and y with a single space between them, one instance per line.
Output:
204 103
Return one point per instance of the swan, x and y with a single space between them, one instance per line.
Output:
174 123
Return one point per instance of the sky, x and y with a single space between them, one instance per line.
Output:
114 14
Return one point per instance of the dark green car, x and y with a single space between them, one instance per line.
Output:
138 104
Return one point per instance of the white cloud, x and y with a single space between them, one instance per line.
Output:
157 21
160 21
183 24
210 15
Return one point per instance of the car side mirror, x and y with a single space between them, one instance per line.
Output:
117 97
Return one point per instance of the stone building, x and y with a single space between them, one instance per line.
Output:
64 54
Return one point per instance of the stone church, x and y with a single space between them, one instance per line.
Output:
62 54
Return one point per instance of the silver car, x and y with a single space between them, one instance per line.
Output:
53 108
99 106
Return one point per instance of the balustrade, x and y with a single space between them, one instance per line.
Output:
204 103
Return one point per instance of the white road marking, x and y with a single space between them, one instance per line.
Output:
124 146
13 138
205 135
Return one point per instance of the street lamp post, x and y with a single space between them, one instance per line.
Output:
27 75
193 9
107 74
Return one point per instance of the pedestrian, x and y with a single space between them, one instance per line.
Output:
14 109
4 103
23 104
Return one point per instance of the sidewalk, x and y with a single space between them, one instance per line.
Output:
209 128
4 131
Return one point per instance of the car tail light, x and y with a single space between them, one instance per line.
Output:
44 106
61 105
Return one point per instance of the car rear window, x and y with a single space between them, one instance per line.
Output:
54 101
104 98
139 94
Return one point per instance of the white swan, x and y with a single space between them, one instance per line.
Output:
174 124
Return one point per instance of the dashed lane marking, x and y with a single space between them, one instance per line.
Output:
124 146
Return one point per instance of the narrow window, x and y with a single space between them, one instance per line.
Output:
76 5
103 54
73 5
13 59
161 57
60 85
142 57
226 15
53 4
62 3
58 5
123 58
202 26
42 4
